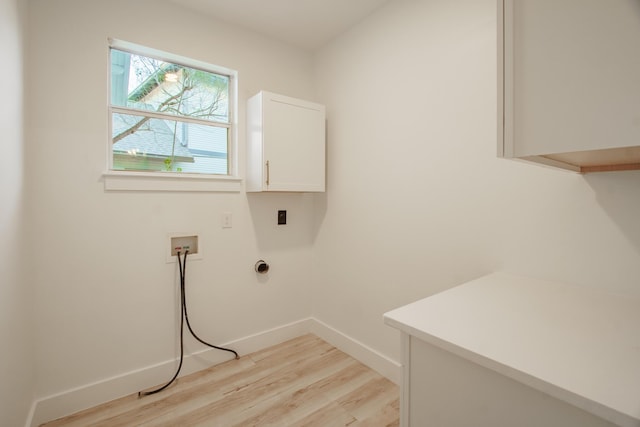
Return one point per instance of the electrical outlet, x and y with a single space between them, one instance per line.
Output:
282 217
183 244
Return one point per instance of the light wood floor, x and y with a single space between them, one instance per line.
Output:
302 382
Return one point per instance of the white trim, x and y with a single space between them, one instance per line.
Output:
169 181
377 361
145 181
500 82
169 57
70 401
89 395
167 116
509 76
30 416
405 386
232 139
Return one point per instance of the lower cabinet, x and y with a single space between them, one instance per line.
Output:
445 390
505 350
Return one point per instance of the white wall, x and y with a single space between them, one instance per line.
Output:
16 325
417 200
105 298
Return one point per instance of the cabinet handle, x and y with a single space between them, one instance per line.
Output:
267 173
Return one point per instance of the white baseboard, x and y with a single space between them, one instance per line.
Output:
364 354
74 400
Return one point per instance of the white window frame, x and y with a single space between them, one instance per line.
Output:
115 180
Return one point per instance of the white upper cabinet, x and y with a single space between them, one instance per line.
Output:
569 83
285 144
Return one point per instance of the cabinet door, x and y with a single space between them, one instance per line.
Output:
571 78
448 390
294 145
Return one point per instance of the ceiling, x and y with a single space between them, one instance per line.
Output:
304 23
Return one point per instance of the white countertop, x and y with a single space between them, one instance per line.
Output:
575 343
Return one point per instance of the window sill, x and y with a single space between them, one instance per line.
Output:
154 181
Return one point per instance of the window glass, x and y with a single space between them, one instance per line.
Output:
167 116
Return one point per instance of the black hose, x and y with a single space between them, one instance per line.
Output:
184 317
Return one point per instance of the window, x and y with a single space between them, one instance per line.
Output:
169 114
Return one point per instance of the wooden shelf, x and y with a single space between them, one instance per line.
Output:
605 160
